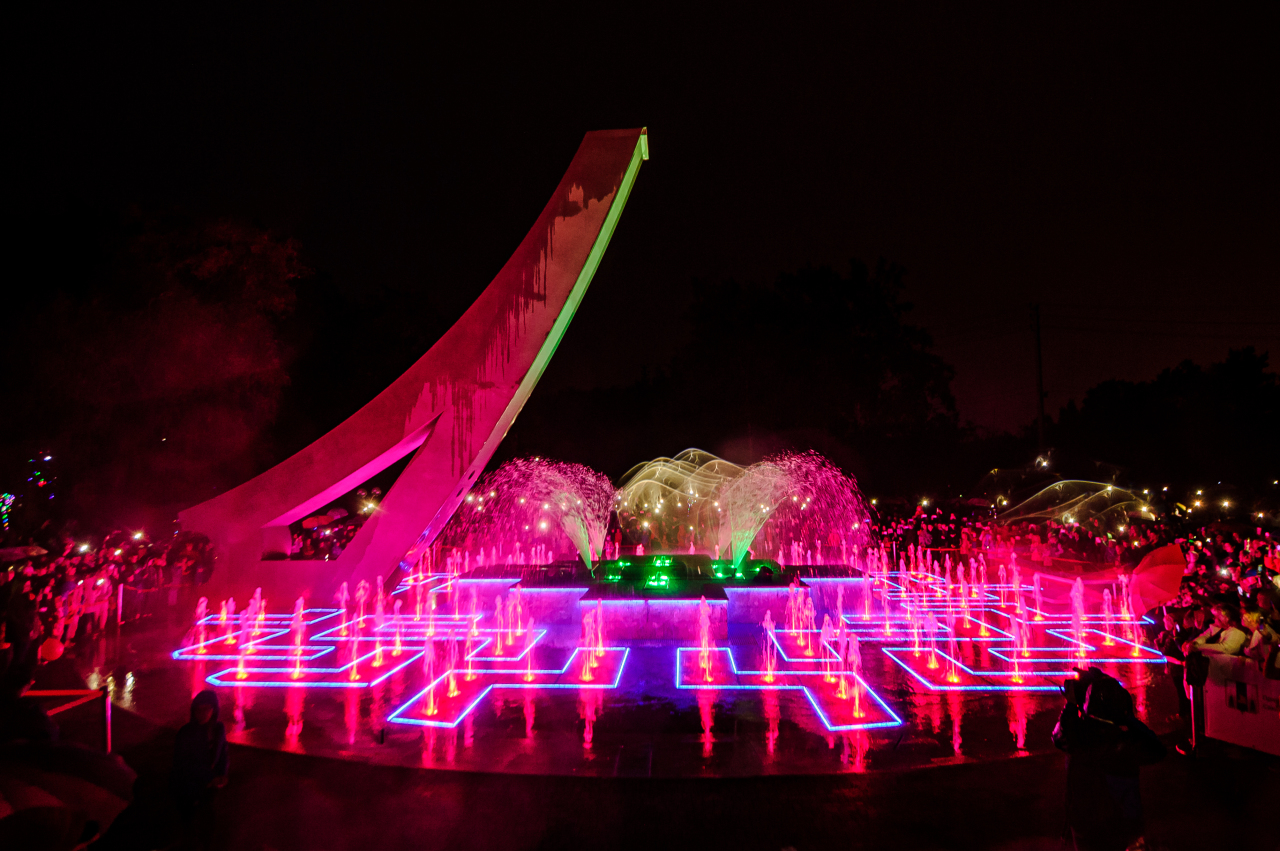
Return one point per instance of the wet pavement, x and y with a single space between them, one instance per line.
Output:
631 720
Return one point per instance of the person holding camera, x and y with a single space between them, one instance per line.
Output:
1105 745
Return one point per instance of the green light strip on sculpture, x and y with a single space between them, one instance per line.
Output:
579 290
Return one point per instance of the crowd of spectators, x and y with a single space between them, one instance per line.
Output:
1229 597
323 543
1227 604
65 591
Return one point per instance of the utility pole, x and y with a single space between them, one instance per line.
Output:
1035 326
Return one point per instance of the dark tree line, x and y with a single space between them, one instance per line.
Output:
1190 424
815 359
156 383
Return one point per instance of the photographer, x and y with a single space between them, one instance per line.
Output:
1105 744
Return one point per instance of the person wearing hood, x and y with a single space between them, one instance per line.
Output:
1105 744
200 758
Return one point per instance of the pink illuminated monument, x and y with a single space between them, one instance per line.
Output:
450 410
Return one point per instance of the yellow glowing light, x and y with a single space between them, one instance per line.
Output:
1226 504
137 536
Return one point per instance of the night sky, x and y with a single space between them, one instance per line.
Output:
1117 166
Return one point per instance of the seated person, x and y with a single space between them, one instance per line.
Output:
1223 637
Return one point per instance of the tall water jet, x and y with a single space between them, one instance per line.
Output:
768 648
1077 615
497 625
202 611
842 647
395 651
229 618
1106 617
429 671
704 638
452 663
296 626
529 640
343 598
854 666
588 644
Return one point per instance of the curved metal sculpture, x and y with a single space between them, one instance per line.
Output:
451 409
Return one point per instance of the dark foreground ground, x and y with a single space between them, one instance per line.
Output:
1227 799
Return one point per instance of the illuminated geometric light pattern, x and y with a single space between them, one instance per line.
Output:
1051 652
336 654
355 654
860 708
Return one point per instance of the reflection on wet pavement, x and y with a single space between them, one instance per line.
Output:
529 709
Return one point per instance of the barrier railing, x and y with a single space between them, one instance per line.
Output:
81 696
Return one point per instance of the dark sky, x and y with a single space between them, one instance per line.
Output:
1118 166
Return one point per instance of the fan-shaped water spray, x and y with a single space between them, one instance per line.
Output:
811 512
520 505
673 503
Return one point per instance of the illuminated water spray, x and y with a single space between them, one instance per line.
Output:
704 638
202 611
675 503
430 706
808 502
1077 615
516 514
296 627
